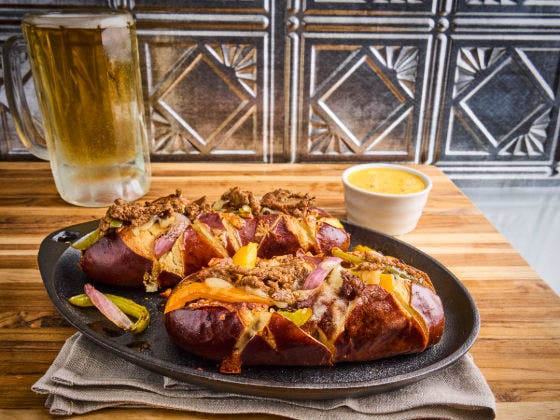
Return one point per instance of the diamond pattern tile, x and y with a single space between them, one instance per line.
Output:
503 103
362 101
204 101
504 100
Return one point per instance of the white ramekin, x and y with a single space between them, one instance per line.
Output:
394 214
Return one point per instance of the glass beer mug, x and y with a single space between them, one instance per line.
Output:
87 78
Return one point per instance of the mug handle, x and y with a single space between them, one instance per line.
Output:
14 55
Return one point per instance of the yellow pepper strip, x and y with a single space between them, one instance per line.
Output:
246 256
362 248
128 306
395 285
370 276
194 291
333 221
298 317
386 281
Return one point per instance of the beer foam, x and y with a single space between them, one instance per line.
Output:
83 20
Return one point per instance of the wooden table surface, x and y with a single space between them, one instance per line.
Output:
518 349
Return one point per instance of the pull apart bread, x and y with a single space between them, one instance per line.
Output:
304 310
155 244
264 282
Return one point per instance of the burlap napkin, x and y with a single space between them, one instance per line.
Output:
84 377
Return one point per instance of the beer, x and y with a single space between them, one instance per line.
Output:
86 74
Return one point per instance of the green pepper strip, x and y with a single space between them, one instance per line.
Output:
128 306
404 274
88 240
346 256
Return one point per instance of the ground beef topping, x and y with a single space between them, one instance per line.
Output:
235 199
351 286
137 213
285 201
194 208
253 282
278 278
279 200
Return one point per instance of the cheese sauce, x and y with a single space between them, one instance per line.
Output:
386 180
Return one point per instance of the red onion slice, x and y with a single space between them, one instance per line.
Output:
311 259
316 277
166 241
108 308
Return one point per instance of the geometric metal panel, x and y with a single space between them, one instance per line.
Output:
205 100
172 6
501 102
362 98
508 6
371 6
506 108
208 94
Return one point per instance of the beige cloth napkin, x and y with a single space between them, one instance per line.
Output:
84 377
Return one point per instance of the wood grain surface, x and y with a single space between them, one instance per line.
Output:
518 349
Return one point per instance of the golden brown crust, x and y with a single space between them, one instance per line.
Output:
349 319
208 234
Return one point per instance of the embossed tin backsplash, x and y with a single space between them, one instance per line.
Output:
469 85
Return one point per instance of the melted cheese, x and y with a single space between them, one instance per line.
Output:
254 322
328 300
386 180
